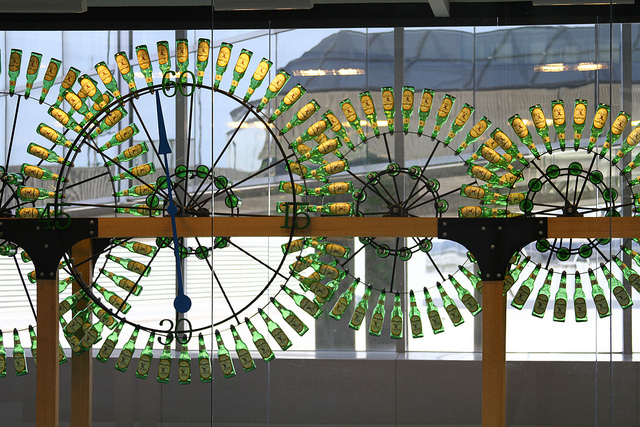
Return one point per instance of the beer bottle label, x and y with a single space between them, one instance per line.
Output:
376 322
454 313
522 295
263 348
143 365
204 366
396 326
470 302
295 323
245 358
340 307
560 309
124 359
164 369
280 337
358 316
107 349
580 307
19 362
434 319
3 363
416 325
601 304
184 370
541 304
308 306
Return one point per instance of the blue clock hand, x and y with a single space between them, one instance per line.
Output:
182 303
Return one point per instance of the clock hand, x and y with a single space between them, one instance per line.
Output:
182 303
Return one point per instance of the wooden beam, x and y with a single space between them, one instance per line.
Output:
48 374
81 365
494 328
340 226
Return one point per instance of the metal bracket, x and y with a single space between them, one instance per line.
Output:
492 241
46 247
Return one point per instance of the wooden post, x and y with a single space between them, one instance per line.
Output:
81 366
494 327
48 373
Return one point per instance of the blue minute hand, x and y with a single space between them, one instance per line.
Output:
182 303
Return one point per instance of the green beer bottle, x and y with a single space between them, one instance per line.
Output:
338 129
39 172
222 62
109 344
370 111
274 88
523 134
291 318
432 313
598 296
450 306
465 296
540 305
343 302
115 301
127 352
123 282
407 107
338 208
288 101
258 77
15 61
202 58
3 358
599 122
304 303
204 361
243 352
139 210
131 265
164 57
137 190
540 124
616 288
322 173
124 66
137 247
335 250
129 154
397 318
301 116
618 126
312 132
579 119
443 114
414 317
107 78
334 188
68 82
112 119
46 154
474 134
475 279
135 171
90 89
92 335
49 77
560 304
513 275
502 140
224 357
164 367
69 302
559 121
388 106
276 332
352 118
629 273
32 72
461 119
377 319
525 289
316 154
629 144
579 300
120 137
259 342
54 136
144 62
64 119
34 345
361 310
19 361
240 69
478 212
144 363
30 194
184 365
425 109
